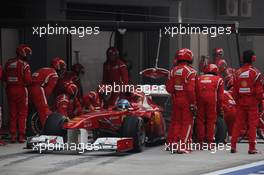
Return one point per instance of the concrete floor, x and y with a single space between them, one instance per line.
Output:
154 160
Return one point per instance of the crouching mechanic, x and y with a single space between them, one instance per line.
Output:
93 101
74 75
43 82
17 76
181 86
209 93
67 104
247 93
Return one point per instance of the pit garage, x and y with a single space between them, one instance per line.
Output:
139 30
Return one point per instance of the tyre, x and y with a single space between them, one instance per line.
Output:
221 131
54 125
33 124
134 127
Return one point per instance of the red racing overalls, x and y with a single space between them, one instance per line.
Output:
181 86
43 82
247 93
17 76
210 91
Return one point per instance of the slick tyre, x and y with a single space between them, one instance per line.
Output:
134 127
54 125
33 124
221 131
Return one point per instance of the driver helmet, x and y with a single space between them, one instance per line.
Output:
123 104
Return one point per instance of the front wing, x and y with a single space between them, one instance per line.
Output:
45 143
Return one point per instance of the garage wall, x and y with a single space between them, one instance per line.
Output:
9 42
258 46
203 11
132 49
199 46
92 55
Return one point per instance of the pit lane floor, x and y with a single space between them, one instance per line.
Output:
154 160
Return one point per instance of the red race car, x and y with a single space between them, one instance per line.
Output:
112 129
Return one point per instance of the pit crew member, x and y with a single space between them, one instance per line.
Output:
67 104
17 76
209 91
247 93
181 86
43 82
219 59
114 72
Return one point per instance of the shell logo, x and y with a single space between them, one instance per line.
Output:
243 84
157 118
177 81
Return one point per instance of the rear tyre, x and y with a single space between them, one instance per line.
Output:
134 127
33 124
54 125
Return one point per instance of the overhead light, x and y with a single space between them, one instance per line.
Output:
122 31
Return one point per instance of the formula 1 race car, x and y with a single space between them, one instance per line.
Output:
105 130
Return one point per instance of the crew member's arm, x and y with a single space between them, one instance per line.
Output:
220 95
62 105
77 107
123 73
190 87
259 88
235 89
77 81
27 75
197 91
51 85
170 83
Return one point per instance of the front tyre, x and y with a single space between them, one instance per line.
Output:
54 125
134 127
